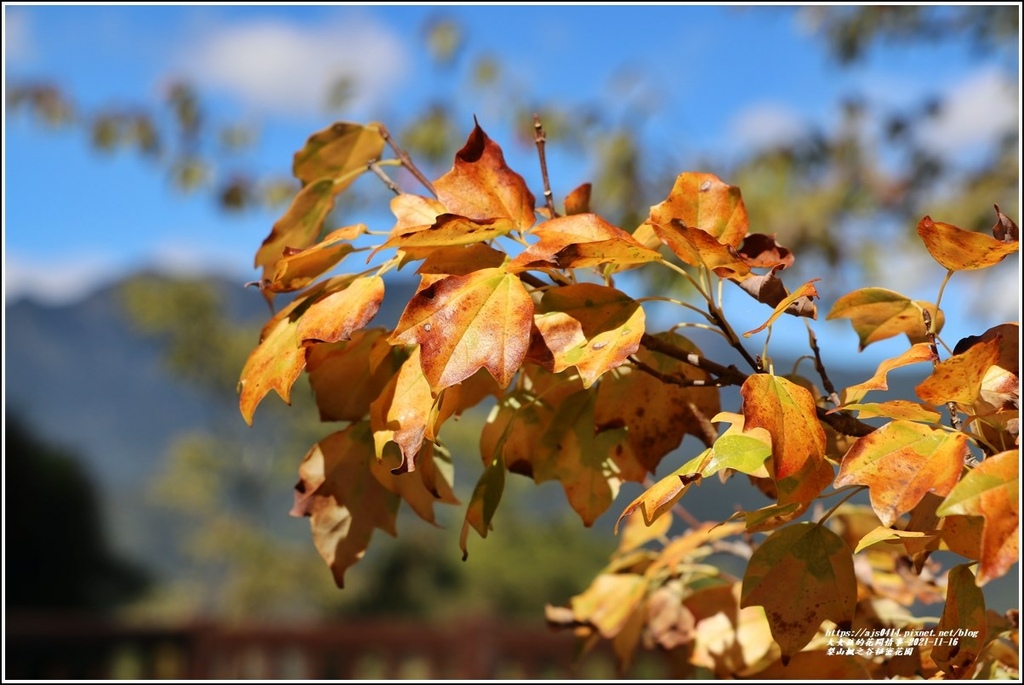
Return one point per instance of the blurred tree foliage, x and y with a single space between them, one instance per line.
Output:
56 555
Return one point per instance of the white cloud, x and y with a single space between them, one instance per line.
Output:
976 111
58 281
17 36
284 68
765 125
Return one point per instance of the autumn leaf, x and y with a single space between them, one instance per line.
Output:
991 490
901 462
729 640
894 409
670 623
345 307
770 290
742 453
1005 229
912 540
414 211
964 613
959 378
921 352
481 187
461 260
299 226
704 201
637 532
437 472
697 247
401 412
362 366
878 313
787 412
483 503
658 415
960 250
464 323
802 575
297 270
448 230
345 503
762 251
578 201
610 601
805 293
337 151
662 496
589 326
410 487
581 240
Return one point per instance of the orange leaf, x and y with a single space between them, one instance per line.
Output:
877 314
362 366
894 409
401 413
299 269
481 187
704 201
963 616
578 201
345 503
658 415
581 240
900 463
589 326
802 575
807 290
694 246
991 490
464 323
959 378
336 151
921 352
342 310
414 211
610 601
447 231
787 412
960 250
411 486
804 485
461 260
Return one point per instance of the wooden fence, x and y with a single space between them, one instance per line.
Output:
67 648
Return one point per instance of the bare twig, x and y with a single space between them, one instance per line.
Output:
407 160
541 139
674 379
375 168
833 396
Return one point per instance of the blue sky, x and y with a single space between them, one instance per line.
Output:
723 80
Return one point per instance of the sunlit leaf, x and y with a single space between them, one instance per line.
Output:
345 503
410 486
609 601
806 292
448 230
787 412
964 617
581 240
464 323
589 326
895 409
704 201
877 314
769 289
697 247
401 413
959 378
743 453
762 251
414 211
299 226
801 575
910 539
662 496
636 533
461 260
578 201
670 623
921 352
658 415
960 250
991 490
437 472
342 310
772 516
336 151
693 543
901 462
481 187
297 270
362 366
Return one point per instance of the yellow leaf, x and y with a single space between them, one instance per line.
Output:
877 314
447 231
578 201
704 201
894 409
662 496
900 463
401 413
807 290
787 412
609 602
695 246
581 240
960 250
921 352
341 310
297 270
910 539
338 150
299 226
959 378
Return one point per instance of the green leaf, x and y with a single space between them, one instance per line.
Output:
964 619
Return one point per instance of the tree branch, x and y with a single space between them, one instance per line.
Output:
540 139
407 160
954 417
375 168
833 396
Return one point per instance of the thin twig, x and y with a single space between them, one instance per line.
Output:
406 160
674 378
541 139
375 168
833 396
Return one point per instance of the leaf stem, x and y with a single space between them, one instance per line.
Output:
541 138
406 160
833 396
938 298
858 488
374 166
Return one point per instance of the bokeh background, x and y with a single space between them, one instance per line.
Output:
147 152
